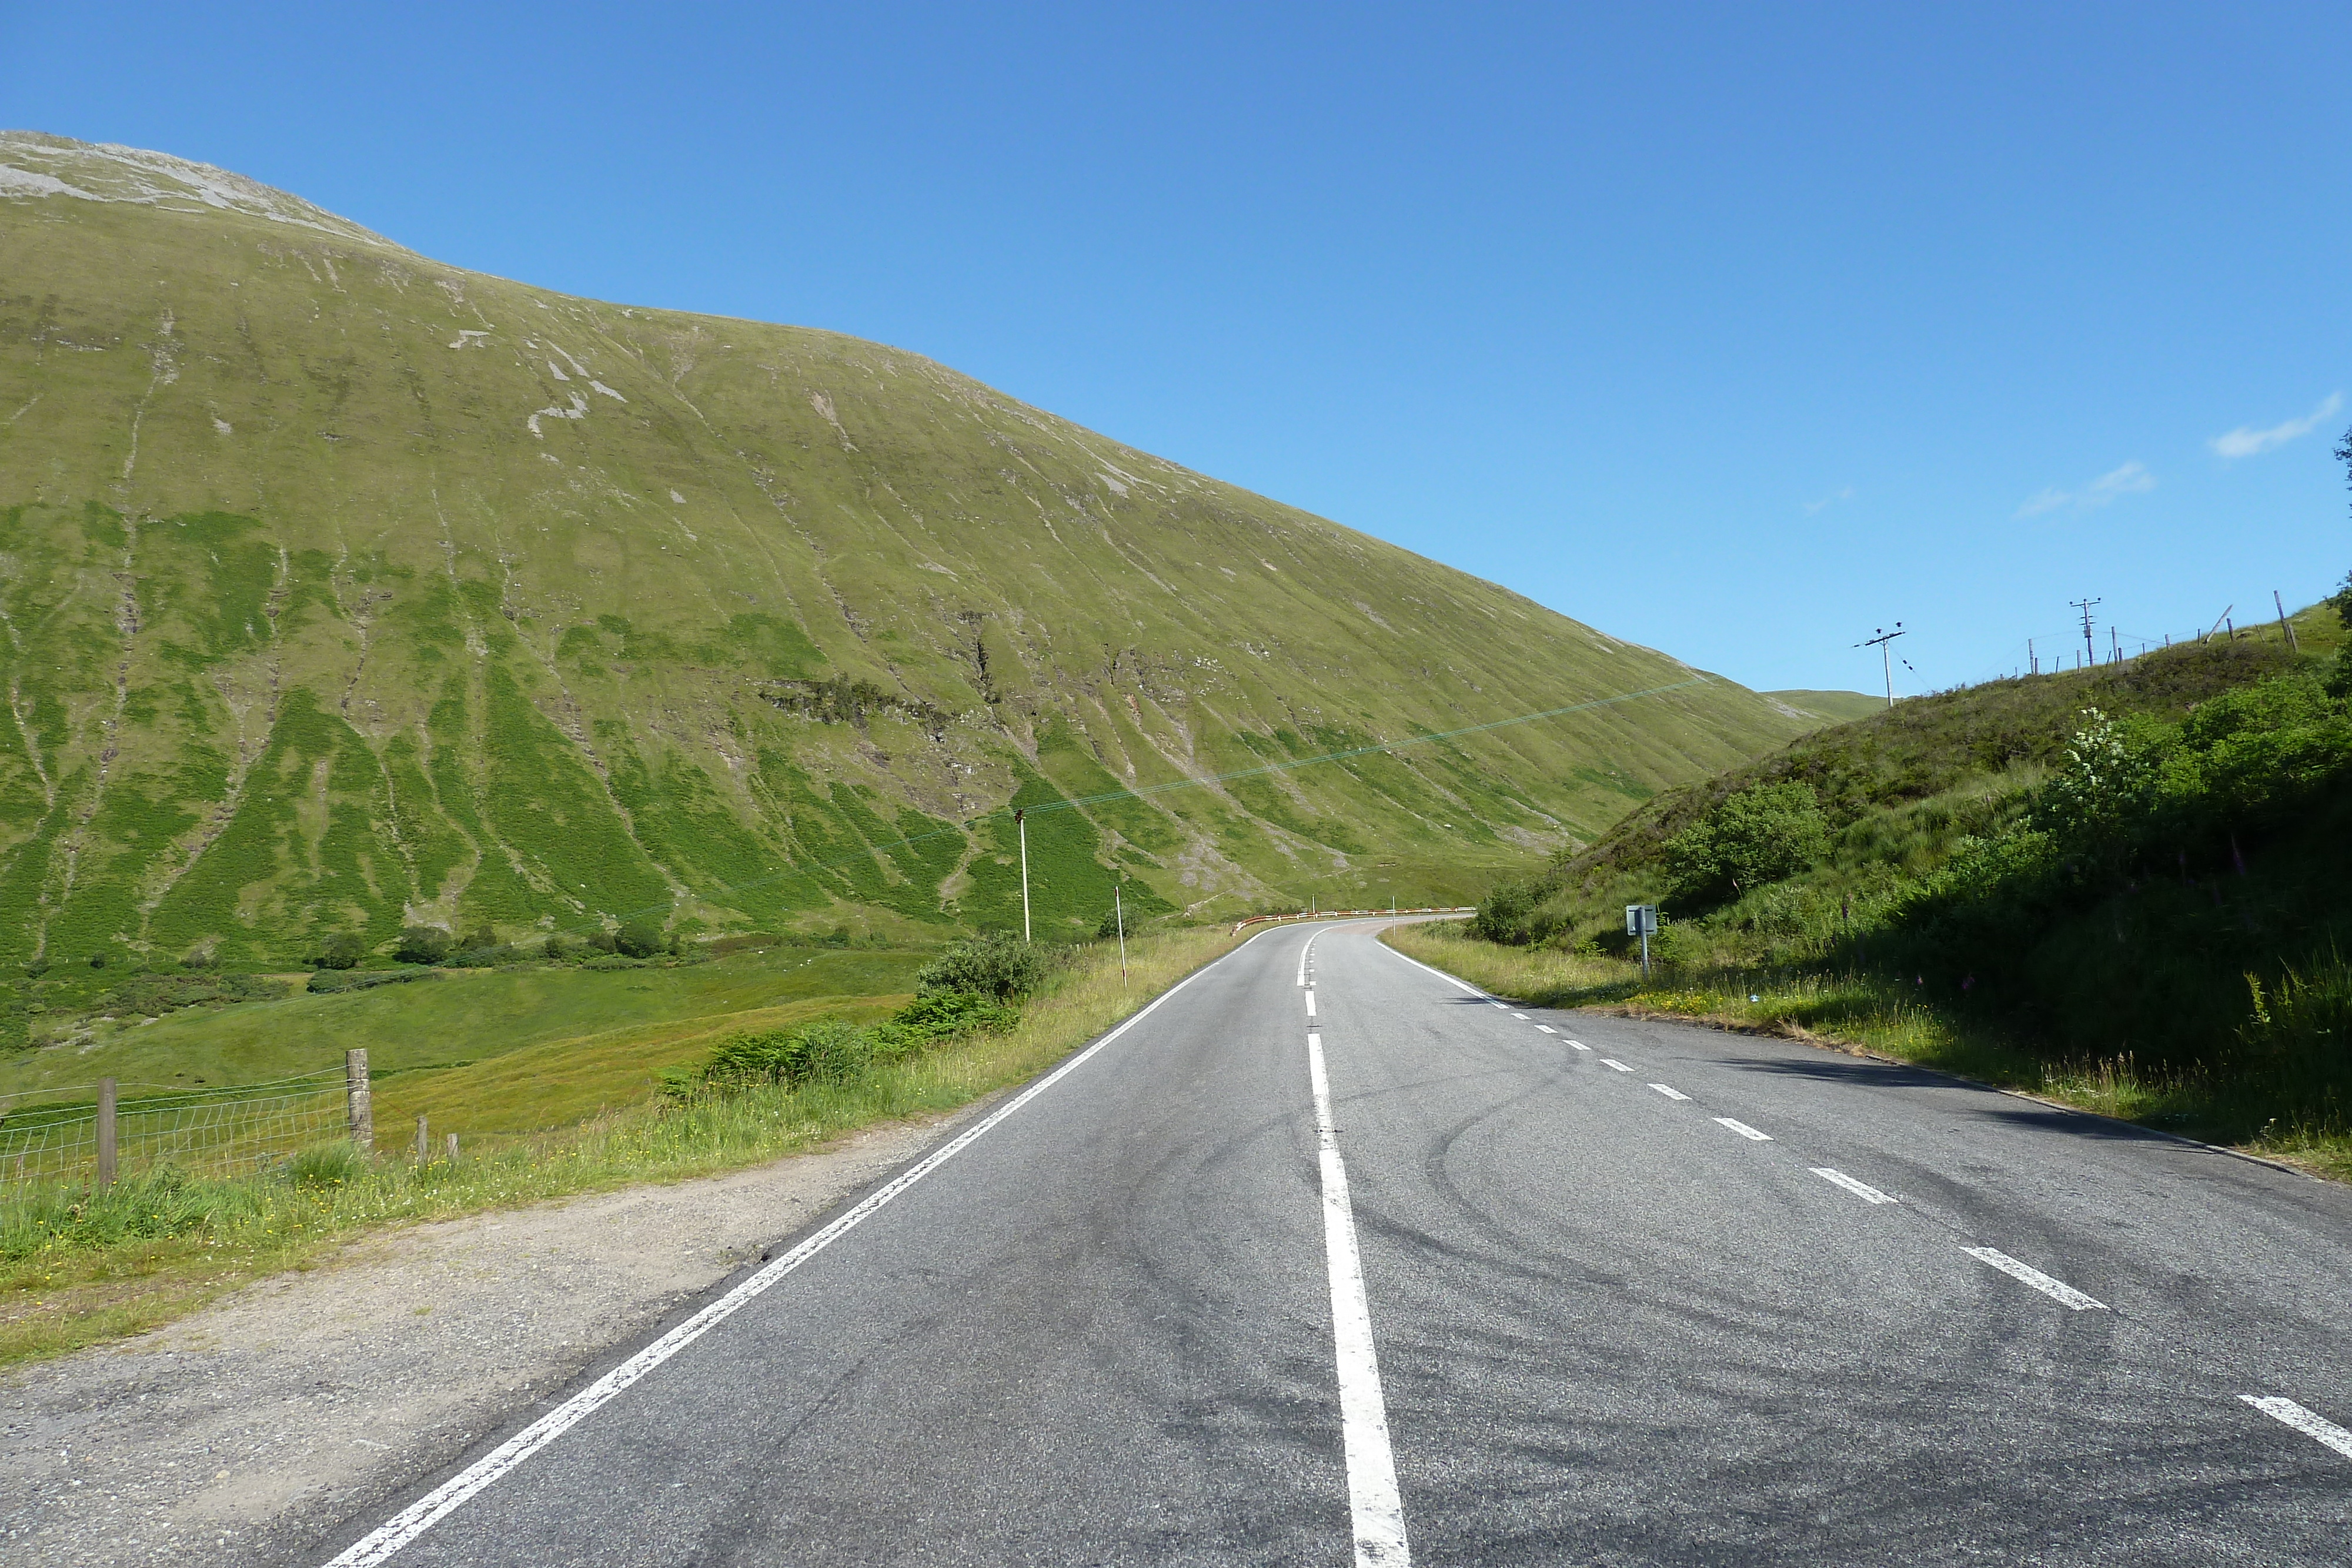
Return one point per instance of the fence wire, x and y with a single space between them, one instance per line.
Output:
234 1130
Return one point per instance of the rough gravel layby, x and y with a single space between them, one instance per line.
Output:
238 1434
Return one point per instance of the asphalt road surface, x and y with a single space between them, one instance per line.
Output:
1518 1287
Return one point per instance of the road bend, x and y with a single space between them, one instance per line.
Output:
1329 1258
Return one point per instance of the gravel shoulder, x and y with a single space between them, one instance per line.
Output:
242 1432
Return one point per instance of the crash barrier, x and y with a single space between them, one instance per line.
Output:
1240 925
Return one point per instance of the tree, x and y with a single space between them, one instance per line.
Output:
640 939
341 950
421 944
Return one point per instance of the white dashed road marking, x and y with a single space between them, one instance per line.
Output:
2055 1290
1669 1091
1862 1190
2318 1428
1547 1029
1612 1062
1310 1004
1744 1130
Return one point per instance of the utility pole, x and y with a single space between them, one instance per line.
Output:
1021 821
2031 657
2284 624
2090 649
1885 660
2115 645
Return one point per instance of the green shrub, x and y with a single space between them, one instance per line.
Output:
1761 835
640 939
941 1015
1514 913
341 950
421 944
999 965
826 1051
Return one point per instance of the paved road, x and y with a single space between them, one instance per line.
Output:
1538 1287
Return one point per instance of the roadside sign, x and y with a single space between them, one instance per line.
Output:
1641 920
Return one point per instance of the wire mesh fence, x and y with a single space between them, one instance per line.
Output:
232 1130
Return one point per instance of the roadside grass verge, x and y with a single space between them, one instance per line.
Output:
79 1266
1874 1014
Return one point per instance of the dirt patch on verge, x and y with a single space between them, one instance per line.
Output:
237 1434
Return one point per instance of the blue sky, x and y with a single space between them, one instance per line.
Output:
1736 331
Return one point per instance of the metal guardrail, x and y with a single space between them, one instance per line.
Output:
1240 925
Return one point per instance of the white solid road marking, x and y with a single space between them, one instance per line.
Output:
1580 1045
1743 1129
1671 1093
1310 1004
1547 1029
438 1504
2318 1428
1862 1190
1612 1062
1372 1497
2041 1281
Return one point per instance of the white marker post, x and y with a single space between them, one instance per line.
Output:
1641 920
1021 821
1118 913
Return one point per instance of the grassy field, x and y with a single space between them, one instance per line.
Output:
453 1019
1873 1013
76 1268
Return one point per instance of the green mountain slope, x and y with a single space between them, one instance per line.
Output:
1831 707
342 588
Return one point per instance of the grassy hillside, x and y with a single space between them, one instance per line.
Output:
2142 866
340 588
1831 707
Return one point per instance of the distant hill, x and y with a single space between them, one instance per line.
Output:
343 589
1835 707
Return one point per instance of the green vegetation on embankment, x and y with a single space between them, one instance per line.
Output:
77 1267
2127 887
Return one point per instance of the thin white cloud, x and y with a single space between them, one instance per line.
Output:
2131 479
1844 493
2247 442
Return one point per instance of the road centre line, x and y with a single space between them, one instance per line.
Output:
1521 1017
1547 1029
2055 1290
1580 1045
1743 1129
1310 1004
1862 1190
1669 1091
2318 1428
1373 1503
421 1515
1612 1062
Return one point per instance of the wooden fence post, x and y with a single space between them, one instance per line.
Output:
105 1131
423 1149
362 1103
